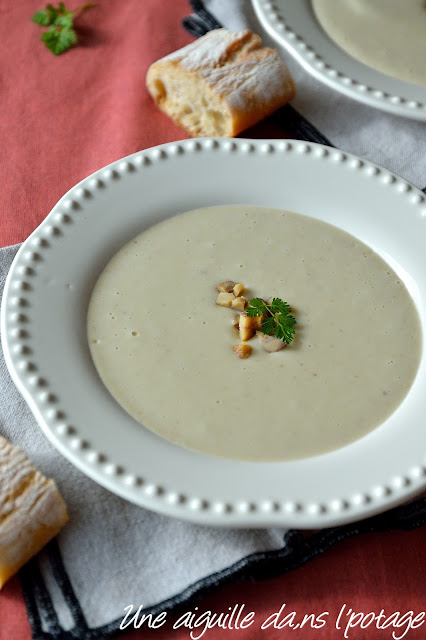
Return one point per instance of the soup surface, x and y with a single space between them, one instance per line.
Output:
388 35
164 349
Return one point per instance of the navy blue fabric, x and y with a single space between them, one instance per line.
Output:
297 550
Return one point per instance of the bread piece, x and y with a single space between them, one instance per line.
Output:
220 84
31 510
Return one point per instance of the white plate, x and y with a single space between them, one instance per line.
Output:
294 26
44 331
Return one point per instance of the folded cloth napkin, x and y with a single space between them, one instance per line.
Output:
112 553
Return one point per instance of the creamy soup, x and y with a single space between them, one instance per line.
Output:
388 35
164 349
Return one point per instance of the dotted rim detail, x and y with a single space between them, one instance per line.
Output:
324 70
45 404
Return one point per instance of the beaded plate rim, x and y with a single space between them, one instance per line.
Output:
383 92
42 396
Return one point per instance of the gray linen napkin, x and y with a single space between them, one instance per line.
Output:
112 553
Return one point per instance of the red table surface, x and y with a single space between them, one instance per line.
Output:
61 119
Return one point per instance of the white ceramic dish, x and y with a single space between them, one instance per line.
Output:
295 27
44 331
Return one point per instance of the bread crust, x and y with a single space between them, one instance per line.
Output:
32 510
220 84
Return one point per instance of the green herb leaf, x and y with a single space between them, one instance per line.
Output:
58 41
278 322
279 306
285 327
269 326
61 34
65 21
42 17
256 307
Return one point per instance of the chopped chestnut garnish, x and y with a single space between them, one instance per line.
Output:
270 343
239 303
225 299
243 350
238 289
227 286
247 327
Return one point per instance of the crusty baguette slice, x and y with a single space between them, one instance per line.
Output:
31 510
220 84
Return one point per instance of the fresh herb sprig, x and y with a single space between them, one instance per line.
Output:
61 34
278 321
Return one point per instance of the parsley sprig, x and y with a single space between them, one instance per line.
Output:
61 34
278 321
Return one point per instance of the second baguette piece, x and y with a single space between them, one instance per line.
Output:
220 84
31 510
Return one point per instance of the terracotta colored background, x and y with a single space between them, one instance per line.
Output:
61 119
